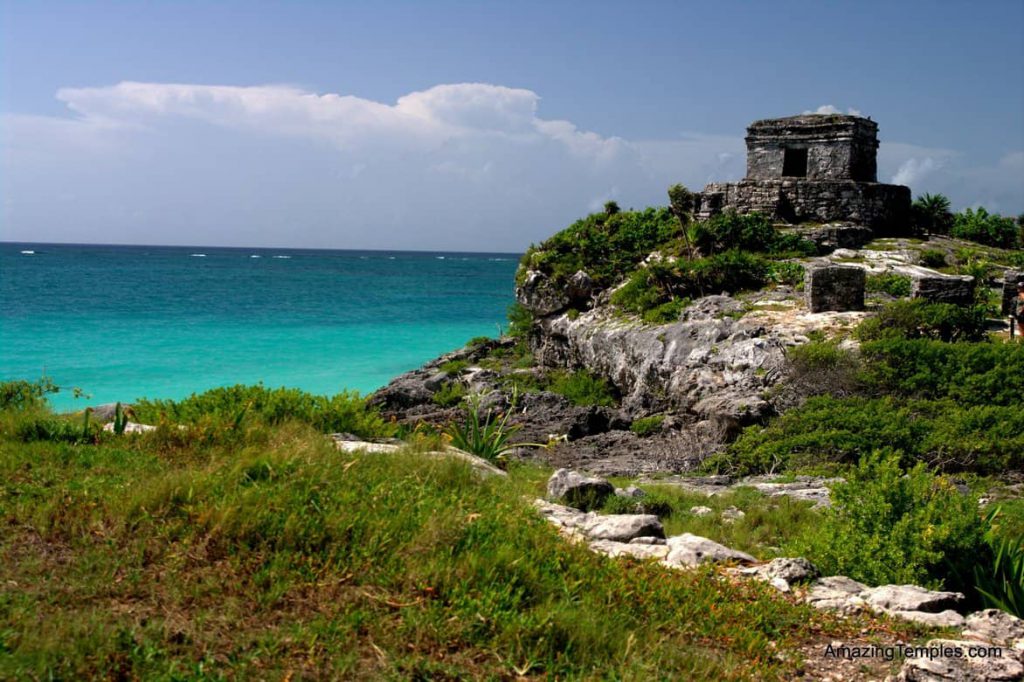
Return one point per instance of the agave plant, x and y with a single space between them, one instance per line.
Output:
1001 584
485 434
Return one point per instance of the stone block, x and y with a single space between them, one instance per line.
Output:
939 288
835 288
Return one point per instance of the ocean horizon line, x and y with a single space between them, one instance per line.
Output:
257 248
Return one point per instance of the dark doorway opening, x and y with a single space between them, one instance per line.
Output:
794 163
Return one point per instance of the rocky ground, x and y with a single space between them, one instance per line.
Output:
980 645
705 376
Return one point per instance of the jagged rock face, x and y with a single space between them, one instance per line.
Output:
540 296
708 363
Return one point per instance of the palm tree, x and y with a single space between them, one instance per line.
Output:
931 213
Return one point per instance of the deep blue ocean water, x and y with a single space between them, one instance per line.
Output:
123 322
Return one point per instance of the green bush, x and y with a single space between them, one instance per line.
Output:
520 321
604 245
21 395
786 272
889 283
917 318
655 503
887 525
645 426
751 232
665 313
836 431
966 373
450 394
660 283
453 367
932 258
986 228
582 388
345 412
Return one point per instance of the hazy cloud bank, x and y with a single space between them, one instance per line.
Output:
466 166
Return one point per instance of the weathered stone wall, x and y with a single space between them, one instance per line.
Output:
838 147
884 208
835 287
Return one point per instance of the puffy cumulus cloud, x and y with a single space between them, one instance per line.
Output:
469 166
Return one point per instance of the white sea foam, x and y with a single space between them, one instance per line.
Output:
283 257
198 255
439 257
255 255
29 252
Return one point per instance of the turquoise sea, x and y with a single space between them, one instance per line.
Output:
123 322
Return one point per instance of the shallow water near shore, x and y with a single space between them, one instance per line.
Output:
123 322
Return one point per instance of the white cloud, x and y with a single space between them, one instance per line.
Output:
470 166
831 109
912 170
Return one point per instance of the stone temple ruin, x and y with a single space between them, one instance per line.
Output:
812 168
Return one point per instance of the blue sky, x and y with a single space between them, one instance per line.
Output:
459 125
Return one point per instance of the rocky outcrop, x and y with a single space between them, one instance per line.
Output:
708 363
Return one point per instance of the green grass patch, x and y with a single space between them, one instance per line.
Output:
170 556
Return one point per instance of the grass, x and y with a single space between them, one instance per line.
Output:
769 524
269 554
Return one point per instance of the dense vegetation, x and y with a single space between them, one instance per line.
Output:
257 551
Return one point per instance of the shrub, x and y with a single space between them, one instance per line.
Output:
889 283
817 368
582 388
731 230
453 367
930 212
345 412
830 431
520 321
645 426
666 312
966 373
887 525
986 228
660 283
786 272
917 318
655 503
604 245
932 258
450 394
21 394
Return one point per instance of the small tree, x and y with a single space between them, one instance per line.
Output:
611 208
682 202
931 213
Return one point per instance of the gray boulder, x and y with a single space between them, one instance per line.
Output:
622 527
891 598
693 550
836 592
577 490
637 551
993 625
